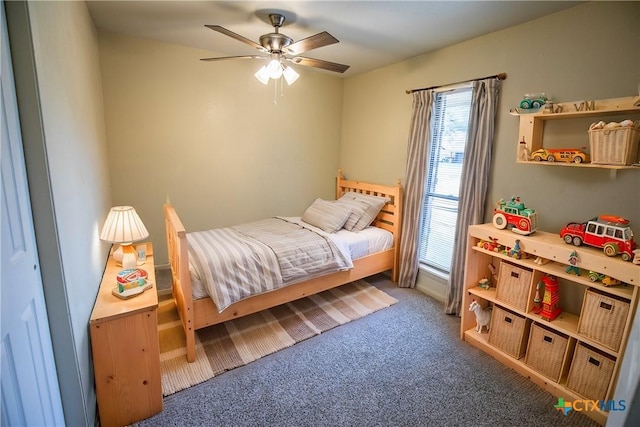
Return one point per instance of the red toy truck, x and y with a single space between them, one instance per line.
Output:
609 232
514 215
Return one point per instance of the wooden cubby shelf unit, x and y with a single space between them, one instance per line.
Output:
550 247
532 125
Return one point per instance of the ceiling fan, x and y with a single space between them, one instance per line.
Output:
281 47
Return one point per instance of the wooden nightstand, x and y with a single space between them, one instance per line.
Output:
126 352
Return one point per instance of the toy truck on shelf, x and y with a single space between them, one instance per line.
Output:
515 216
609 232
566 155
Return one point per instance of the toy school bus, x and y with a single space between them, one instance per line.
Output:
559 154
609 232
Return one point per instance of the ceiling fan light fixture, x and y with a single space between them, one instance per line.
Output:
290 75
262 75
275 69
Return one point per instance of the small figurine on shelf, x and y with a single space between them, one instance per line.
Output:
551 300
484 283
573 261
523 151
515 251
494 272
541 261
483 316
537 307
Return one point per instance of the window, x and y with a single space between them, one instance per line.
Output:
450 121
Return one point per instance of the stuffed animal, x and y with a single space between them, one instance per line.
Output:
483 316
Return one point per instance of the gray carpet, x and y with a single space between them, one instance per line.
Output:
402 366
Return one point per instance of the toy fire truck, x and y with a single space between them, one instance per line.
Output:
515 216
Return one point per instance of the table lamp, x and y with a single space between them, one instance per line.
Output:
124 226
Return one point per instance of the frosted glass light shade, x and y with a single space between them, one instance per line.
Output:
123 225
275 69
290 75
262 75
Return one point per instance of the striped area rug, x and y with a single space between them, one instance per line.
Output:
235 343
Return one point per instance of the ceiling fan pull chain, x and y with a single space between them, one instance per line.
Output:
281 79
275 92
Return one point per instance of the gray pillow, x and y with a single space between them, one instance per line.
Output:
364 206
327 216
358 209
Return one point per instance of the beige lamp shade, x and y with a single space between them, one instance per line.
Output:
123 225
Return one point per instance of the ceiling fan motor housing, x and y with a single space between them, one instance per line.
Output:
275 42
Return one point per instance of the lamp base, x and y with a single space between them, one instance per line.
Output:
126 256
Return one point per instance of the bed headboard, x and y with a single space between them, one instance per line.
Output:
390 217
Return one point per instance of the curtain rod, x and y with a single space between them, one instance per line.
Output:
501 76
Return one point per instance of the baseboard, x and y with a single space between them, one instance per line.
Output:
164 292
436 294
432 285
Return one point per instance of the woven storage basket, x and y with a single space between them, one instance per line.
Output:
546 350
590 372
509 331
603 317
514 285
617 146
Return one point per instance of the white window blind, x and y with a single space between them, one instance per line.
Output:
449 127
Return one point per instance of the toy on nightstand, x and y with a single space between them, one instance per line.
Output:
131 282
515 216
483 316
551 300
609 232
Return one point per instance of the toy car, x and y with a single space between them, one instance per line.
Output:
533 100
514 215
609 232
559 154
606 280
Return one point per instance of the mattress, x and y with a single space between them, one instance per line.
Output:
357 244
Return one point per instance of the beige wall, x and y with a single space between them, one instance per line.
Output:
209 137
591 51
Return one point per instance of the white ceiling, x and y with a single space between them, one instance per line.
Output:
372 34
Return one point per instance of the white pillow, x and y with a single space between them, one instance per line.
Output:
327 216
370 206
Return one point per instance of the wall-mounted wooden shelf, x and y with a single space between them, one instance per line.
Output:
532 125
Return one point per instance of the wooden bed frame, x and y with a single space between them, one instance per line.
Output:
201 313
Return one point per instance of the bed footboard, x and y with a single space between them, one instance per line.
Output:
181 288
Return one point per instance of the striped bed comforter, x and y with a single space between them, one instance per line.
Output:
237 262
